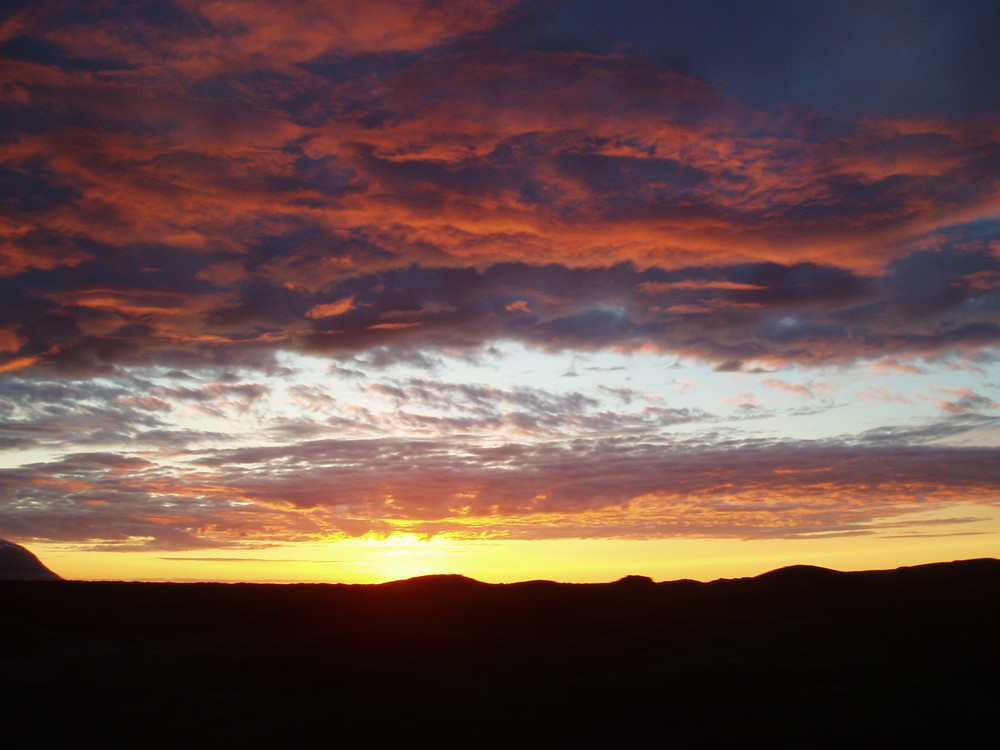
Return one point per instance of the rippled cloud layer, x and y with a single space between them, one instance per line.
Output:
200 196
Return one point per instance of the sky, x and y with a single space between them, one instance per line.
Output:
354 291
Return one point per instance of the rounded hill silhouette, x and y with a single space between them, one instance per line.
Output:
19 564
801 574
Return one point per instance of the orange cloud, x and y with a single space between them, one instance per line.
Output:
391 326
332 309
691 309
239 36
682 176
10 341
518 306
984 281
18 363
656 287
276 159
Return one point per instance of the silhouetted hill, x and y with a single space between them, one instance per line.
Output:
435 585
805 574
19 564
798 657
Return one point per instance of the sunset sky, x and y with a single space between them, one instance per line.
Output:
366 289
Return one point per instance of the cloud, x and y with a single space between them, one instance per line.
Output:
793 314
232 37
966 401
584 488
194 195
881 393
332 309
807 390
746 401
657 287
10 342
235 178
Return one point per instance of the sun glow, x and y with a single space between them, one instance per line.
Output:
373 559
406 556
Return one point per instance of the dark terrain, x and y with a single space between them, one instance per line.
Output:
799 657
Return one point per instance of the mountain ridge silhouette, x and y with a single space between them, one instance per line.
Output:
797 657
797 572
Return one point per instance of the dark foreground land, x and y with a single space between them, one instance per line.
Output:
800 657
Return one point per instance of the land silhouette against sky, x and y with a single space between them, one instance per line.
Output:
357 290
798 657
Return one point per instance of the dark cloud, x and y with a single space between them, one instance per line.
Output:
926 305
929 433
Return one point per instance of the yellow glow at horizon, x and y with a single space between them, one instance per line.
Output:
506 561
